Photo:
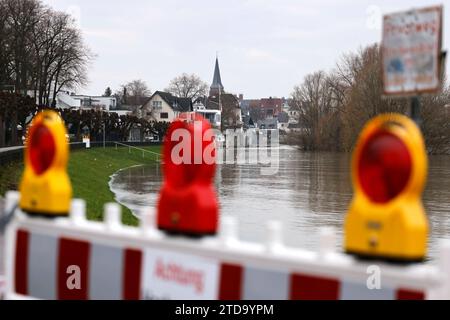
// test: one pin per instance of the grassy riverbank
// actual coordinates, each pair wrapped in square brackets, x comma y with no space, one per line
[10,176]
[89,171]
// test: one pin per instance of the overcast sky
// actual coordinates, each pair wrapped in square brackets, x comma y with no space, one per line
[265,47]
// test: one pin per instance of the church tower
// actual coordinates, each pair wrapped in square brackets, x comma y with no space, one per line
[217,86]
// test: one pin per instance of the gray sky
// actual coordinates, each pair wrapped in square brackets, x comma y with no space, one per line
[265,47]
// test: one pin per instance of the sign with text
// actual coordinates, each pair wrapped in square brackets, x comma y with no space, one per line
[411,50]
[176,276]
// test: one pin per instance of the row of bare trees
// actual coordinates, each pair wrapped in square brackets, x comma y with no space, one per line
[15,111]
[42,50]
[334,106]
[117,127]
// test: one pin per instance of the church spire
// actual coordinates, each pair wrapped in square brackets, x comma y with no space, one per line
[217,86]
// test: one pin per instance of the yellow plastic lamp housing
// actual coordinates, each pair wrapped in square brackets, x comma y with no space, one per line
[45,187]
[386,218]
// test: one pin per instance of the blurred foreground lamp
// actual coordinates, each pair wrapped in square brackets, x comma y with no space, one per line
[45,187]
[386,218]
[188,203]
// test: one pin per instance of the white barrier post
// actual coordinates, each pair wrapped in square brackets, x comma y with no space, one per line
[228,231]
[11,200]
[327,241]
[444,267]
[78,211]
[275,236]
[148,221]
[113,216]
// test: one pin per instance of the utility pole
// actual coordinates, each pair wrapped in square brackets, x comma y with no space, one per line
[415,110]
[104,131]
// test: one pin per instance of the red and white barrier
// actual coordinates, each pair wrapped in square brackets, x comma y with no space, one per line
[72,258]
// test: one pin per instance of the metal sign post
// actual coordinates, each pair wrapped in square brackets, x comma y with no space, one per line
[415,110]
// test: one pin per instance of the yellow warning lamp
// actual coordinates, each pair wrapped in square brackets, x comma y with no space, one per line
[386,218]
[45,187]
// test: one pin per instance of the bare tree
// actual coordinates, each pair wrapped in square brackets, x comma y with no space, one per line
[71,65]
[5,51]
[61,58]
[313,101]
[188,86]
[20,18]
[42,50]
[133,93]
[435,114]
[364,98]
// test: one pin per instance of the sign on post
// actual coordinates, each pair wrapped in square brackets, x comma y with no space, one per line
[87,142]
[411,51]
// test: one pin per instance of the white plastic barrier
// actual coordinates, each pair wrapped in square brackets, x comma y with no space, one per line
[72,258]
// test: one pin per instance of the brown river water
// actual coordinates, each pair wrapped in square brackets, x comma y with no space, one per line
[309,191]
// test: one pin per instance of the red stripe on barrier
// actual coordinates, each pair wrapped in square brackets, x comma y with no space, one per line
[73,253]
[405,294]
[230,282]
[313,288]
[132,275]
[21,262]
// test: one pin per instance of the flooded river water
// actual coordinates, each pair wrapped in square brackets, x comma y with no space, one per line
[309,191]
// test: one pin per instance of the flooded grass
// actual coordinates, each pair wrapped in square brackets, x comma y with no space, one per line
[90,171]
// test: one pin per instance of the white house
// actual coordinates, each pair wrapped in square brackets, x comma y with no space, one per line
[293,116]
[65,100]
[164,107]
